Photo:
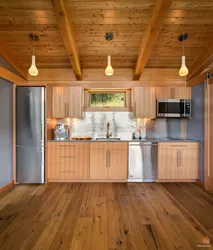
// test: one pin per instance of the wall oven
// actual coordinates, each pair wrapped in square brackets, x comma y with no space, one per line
[174,108]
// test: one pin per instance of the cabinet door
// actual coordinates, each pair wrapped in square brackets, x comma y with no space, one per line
[99,165]
[74,102]
[163,92]
[168,164]
[58,102]
[188,164]
[182,93]
[144,102]
[118,162]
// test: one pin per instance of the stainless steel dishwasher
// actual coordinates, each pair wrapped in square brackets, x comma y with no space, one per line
[143,158]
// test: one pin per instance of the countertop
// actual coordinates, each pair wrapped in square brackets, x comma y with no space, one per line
[144,140]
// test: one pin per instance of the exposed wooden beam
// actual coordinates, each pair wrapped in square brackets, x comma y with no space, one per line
[68,34]
[201,63]
[151,34]
[198,79]
[6,74]
[12,59]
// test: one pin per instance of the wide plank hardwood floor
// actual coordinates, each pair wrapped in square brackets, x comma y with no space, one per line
[106,216]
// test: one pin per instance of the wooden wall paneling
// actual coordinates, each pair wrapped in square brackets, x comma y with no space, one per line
[208,138]
[8,75]
[150,77]
[151,34]
[9,55]
[68,34]
[202,62]
[14,133]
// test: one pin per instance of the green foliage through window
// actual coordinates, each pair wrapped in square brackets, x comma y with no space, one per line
[107,99]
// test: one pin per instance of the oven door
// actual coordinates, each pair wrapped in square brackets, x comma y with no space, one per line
[170,108]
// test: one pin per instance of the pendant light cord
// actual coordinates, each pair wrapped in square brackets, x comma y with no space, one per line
[183,47]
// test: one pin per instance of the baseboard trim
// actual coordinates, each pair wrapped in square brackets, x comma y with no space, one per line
[88,181]
[7,186]
[176,180]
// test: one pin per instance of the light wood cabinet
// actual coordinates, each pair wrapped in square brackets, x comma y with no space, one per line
[99,164]
[58,102]
[108,161]
[117,164]
[67,102]
[67,161]
[173,93]
[167,164]
[179,161]
[144,102]
[189,164]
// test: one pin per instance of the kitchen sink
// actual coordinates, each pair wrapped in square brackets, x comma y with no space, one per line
[108,139]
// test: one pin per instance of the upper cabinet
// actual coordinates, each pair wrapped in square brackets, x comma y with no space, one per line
[144,102]
[173,93]
[67,102]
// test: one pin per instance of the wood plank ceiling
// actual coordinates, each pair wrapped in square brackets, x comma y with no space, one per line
[92,19]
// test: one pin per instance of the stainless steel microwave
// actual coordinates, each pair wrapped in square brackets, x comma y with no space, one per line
[174,108]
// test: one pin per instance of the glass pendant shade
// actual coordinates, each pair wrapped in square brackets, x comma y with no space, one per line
[33,71]
[183,70]
[109,70]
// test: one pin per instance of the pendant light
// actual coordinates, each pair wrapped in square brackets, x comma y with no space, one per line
[33,71]
[183,70]
[109,71]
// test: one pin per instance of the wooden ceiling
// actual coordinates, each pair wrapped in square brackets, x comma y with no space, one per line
[91,19]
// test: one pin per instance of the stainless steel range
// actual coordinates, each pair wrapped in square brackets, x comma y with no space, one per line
[143,157]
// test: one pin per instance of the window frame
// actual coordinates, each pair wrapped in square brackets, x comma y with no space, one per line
[87,96]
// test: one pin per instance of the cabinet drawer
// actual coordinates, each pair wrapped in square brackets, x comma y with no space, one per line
[62,172]
[98,145]
[178,145]
[71,145]
[117,145]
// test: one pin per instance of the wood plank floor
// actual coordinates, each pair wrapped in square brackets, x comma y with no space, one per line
[92,216]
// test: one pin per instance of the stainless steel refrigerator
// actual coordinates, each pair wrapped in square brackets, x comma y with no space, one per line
[30,134]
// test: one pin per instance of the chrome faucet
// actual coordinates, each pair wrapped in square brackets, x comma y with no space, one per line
[108,134]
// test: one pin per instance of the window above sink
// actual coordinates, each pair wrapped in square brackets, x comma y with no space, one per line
[107,99]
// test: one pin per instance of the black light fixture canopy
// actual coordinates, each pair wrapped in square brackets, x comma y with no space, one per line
[33,37]
[183,37]
[109,36]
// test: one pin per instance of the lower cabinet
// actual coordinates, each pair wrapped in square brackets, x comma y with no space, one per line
[108,161]
[67,161]
[179,161]
[84,161]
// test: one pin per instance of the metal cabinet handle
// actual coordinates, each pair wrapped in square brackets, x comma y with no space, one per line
[64,156]
[180,158]
[68,109]
[109,159]
[67,171]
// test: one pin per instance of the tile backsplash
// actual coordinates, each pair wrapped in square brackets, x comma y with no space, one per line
[122,125]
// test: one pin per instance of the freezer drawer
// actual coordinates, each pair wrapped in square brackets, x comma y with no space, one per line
[142,162]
